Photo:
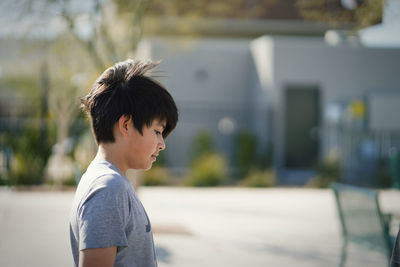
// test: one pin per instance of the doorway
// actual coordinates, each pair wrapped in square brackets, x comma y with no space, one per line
[302,116]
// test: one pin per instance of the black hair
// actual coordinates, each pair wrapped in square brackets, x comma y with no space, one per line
[124,89]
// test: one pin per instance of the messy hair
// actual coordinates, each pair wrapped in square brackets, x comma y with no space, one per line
[125,89]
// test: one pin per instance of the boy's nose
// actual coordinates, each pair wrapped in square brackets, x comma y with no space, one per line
[161,144]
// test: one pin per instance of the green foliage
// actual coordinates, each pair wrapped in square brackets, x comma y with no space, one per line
[26,169]
[264,158]
[156,176]
[258,178]
[328,172]
[69,182]
[246,144]
[209,8]
[3,181]
[247,157]
[207,168]
[30,154]
[27,86]
[210,169]
[202,144]
[23,89]
[367,13]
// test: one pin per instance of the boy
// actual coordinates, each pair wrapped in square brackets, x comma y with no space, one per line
[130,115]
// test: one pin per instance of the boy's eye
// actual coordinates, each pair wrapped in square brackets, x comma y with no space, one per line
[157,132]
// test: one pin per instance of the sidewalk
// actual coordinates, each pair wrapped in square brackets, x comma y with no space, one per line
[196,227]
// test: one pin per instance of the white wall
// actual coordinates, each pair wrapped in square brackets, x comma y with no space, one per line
[263,95]
[384,111]
[209,79]
[341,72]
[244,80]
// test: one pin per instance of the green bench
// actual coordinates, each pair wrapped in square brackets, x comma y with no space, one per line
[362,221]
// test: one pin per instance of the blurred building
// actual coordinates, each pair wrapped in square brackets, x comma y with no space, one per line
[310,98]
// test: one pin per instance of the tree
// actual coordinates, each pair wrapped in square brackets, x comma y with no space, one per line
[101,27]
[71,33]
[365,13]
[212,8]
[108,30]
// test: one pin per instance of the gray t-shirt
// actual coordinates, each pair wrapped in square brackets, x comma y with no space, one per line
[106,212]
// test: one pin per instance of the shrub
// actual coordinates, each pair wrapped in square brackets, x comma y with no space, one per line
[245,152]
[264,158]
[202,144]
[208,170]
[69,182]
[155,176]
[26,169]
[327,173]
[258,178]
[30,154]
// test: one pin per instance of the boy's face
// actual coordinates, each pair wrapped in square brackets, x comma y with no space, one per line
[143,149]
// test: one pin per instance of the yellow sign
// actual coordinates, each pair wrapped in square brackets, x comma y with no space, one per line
[358,108]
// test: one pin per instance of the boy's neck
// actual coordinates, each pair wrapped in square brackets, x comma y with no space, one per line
[109,152]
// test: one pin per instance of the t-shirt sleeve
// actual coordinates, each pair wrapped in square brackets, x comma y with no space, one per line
[102,218]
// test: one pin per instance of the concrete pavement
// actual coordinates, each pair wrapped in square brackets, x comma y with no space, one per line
[196,227]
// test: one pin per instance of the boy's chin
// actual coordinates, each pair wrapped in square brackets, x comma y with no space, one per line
[147,168]
[142,168]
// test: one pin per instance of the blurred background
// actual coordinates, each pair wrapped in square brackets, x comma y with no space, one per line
[269,92]
[288,93]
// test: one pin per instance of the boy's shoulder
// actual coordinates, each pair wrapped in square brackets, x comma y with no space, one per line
[106,173]
[102,175]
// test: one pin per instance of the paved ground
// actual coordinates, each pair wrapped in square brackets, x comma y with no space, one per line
[196,227]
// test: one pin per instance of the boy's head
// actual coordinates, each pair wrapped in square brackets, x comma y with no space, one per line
[124,89]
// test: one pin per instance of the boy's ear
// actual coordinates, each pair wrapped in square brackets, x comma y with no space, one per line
[123,123]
